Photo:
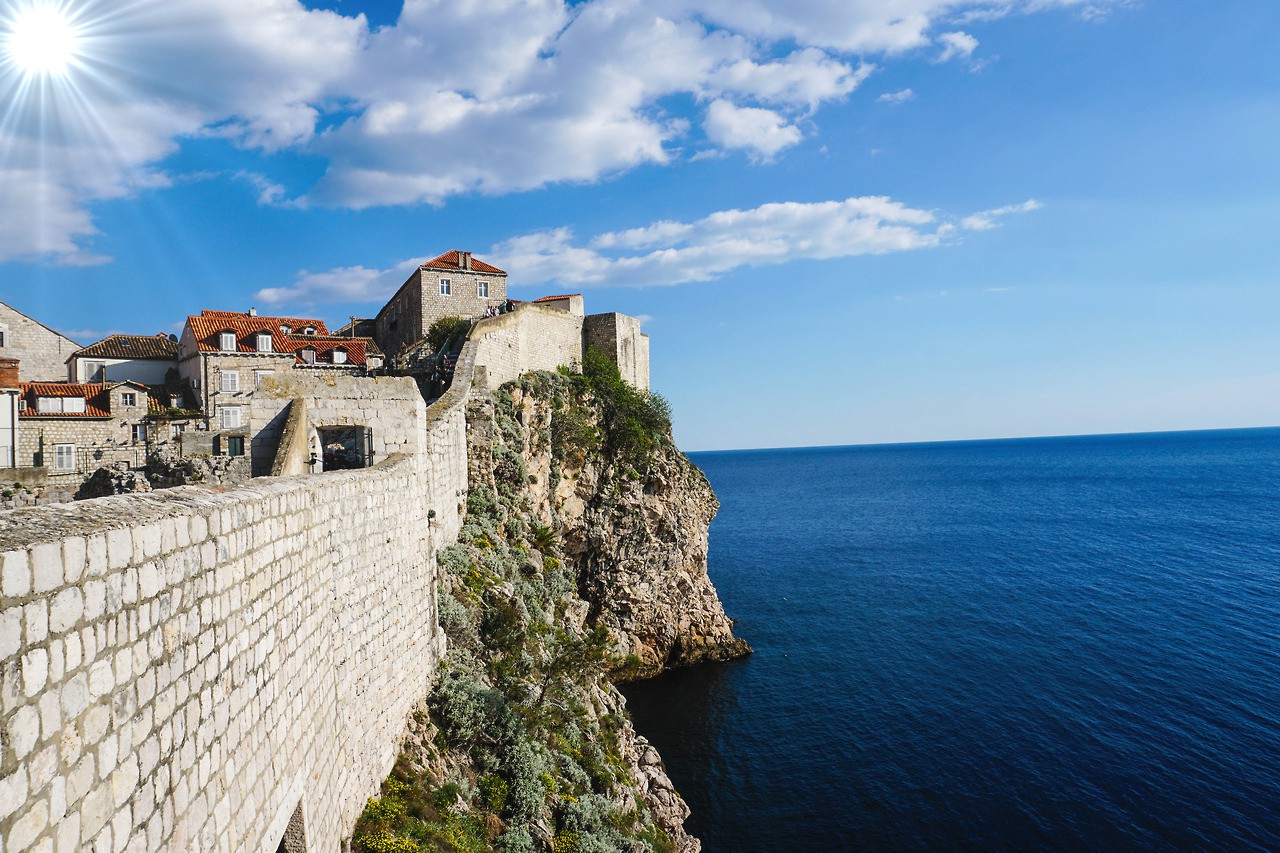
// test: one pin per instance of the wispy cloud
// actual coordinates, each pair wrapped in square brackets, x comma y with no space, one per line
[956,45]
[899,97]
[984,220]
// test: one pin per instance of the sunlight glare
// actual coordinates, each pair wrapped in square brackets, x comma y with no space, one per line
[42,40]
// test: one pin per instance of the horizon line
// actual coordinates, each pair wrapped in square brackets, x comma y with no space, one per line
[989,439]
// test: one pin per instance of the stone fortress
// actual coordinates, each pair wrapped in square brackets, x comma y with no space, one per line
[233,669]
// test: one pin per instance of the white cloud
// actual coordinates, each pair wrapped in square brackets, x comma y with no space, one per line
[956,45]
[899,97]
[762,132]
[985,220]
[343,284]
[667,253]
[457,96]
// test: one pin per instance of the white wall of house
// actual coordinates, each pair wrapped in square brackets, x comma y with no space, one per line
[8,428]
[148,371]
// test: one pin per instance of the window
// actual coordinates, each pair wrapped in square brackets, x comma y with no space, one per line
[175,401]
[286,328]
[482,290]
[235,445]
[309,330]
[264,342]
[259,375]
[2,334]
[308,355]
[230,381]
[445,287]
[227,341]
[176,430]
[128,398]
[22,405]
[138,433]
[228,417]
[64,457]
[59,404]
[95,371]
[339,356]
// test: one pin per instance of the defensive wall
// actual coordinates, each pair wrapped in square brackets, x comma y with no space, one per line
[192,669]
[537,337]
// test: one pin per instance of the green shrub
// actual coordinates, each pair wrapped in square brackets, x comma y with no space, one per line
[443,329]
[494,791]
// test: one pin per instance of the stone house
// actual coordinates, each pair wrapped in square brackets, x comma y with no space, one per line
[226,356]
[41,351]
[73,428]
[117,358]
[452,285]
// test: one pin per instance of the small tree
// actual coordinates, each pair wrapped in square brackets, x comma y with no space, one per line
[444,329]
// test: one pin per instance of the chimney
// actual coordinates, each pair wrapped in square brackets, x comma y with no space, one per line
[464,260]
[253,312]
[8,373]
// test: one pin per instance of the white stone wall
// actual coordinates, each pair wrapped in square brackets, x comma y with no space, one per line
[391,406]
[532,337]
[180,670]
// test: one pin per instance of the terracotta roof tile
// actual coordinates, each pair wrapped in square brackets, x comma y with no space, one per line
[451,261]
[97,400]
[131,346]
[561,296]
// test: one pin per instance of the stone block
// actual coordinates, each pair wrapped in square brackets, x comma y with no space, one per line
[35,671]
[65,610]
[46,567]
[15,575]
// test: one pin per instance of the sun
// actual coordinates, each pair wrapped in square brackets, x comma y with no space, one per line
[42,40]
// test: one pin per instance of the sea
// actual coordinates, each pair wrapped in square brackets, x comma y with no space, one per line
[1034,644]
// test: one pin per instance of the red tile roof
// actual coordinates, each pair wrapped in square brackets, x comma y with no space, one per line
[97,400]
[131,346]
[561,296]
[210,324]
[452,261]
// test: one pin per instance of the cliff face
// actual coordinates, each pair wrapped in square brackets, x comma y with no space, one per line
[634,531]
[582,562]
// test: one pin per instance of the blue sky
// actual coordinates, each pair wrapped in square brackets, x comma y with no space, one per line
[844,222]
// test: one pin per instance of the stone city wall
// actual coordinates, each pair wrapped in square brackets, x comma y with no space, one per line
[190,670]
[533,337]
[538,337]
[197,670]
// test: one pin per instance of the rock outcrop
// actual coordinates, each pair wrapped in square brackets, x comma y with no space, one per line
[636,534]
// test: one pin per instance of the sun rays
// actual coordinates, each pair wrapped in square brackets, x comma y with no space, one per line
[42,39]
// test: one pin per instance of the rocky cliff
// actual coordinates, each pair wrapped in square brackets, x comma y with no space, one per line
[582,562]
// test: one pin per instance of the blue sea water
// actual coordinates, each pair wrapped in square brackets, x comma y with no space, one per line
[1039,644]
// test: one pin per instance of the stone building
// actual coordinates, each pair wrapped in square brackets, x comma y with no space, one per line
[452,285]
[226,356]
[73,428]
[137,358]
[41,351]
